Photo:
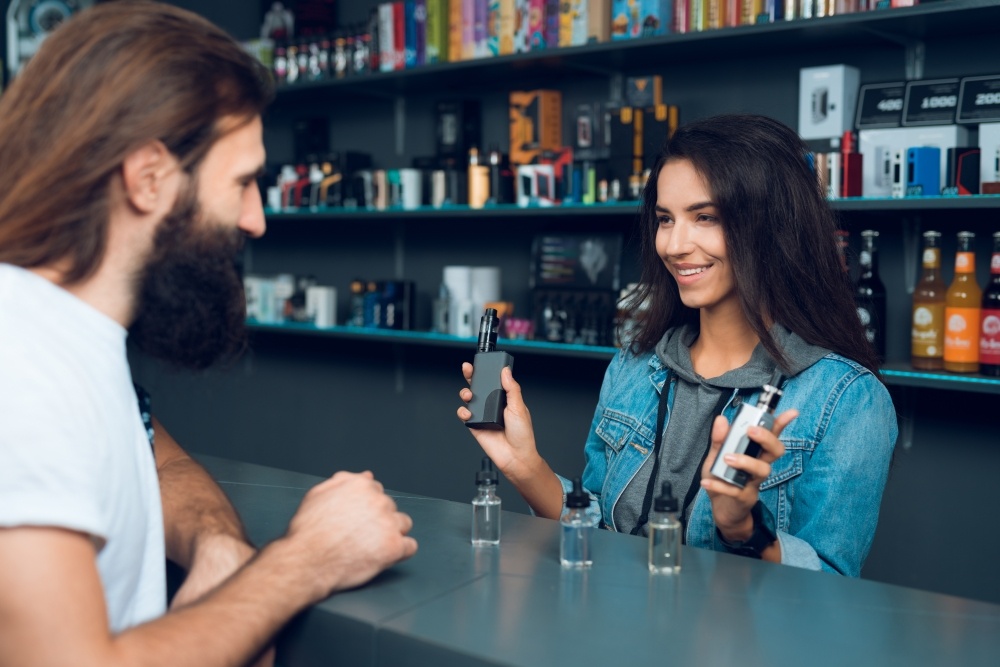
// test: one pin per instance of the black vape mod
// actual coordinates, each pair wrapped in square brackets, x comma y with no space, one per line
[488,397]
[737,441]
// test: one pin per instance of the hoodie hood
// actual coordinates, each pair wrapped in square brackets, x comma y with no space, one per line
[674,350]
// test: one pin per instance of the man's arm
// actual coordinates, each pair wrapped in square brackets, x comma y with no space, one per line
[52,610]
[203,533]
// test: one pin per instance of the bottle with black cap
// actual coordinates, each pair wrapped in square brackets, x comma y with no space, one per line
[664,533]
[486,507]
[577,528]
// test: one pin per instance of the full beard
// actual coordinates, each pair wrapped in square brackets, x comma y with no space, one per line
[191,309]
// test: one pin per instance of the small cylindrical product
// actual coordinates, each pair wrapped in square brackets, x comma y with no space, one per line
[488,396]
[486,507]
[577,529]
[737,441]
[869,294]
[664,533]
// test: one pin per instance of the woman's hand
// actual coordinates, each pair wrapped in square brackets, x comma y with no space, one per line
[731,505]
[512,450]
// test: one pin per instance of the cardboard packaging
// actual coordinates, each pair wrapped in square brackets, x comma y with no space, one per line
[827,97]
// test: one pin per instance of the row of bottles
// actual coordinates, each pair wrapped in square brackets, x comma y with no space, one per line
[578,525]
[957,329]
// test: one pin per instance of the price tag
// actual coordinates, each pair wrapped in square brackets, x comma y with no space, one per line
[979,99]
[930,102]
[880,105]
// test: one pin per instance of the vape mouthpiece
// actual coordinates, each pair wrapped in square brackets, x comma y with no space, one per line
[772,391]
[488,326]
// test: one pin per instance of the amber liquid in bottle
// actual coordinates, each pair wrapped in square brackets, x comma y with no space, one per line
[962,309]
[927,331]
[989,330]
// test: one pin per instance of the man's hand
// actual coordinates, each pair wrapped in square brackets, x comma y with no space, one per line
[348,530]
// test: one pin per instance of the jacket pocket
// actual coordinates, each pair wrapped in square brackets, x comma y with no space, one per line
[618,431]
[787,467]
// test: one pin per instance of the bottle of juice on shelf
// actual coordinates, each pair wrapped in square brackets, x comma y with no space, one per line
[869,294]
[989,330]
[927,332]
[963,303]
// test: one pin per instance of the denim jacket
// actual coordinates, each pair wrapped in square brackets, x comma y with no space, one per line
[824,493]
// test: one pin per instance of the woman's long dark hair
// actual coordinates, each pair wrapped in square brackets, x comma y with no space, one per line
[780,235]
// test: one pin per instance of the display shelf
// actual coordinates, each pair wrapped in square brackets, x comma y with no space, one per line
[905,25]
[618,209]
[897,374]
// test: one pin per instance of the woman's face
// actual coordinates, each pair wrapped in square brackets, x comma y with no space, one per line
[689,238]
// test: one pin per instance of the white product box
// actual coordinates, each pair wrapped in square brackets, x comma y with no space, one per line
[989,156]
[827,97]
[321,305]
[877,147]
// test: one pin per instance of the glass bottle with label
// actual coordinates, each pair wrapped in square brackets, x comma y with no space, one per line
[961,311]
[927,332]
[869,294]
[989,330]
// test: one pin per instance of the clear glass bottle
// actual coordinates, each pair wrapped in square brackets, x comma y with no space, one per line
[664,533]
[486,507]
[927,332]
[577,529]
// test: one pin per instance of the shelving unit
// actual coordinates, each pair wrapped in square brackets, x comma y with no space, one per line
[894,374]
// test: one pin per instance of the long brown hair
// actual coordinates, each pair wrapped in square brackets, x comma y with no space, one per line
[108,81]
[780,234]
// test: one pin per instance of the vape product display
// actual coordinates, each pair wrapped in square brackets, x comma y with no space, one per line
[827,97]
[963,302]
[737,441]
[962,171]
[923,171]
[927,331]
[486,507]
[577,529]
[535,124]
[488,397]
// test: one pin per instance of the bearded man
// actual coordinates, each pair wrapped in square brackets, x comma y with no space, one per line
[130,147]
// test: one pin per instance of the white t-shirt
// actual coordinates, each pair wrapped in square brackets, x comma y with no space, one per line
[73,450]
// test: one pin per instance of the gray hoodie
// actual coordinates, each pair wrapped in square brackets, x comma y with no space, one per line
[686,438]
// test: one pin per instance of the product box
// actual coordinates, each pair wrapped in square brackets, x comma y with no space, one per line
[522,33]
[573,22]
[458,128]
[827,97]
[640,18]
[579,261]
[592,133]
[598,20]
[878,146]
[658,125]
[644,91]
[436,32]
[535,124]
[989,158]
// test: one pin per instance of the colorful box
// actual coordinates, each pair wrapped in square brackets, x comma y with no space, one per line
[535,124]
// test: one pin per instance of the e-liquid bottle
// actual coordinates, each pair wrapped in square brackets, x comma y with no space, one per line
[486,507]
[664,533]
[577,529]
[989,330]
[927,330]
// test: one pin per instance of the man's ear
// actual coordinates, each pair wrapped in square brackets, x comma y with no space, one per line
[147,174]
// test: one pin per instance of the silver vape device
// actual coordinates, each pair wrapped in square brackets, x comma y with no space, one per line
[737,441]
[898,175]
[488,397]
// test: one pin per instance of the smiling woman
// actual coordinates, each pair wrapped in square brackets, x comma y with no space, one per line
[740,279]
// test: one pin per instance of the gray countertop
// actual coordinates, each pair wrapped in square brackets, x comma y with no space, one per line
[455,604]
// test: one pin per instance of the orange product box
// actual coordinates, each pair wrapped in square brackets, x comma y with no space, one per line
[535,124]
